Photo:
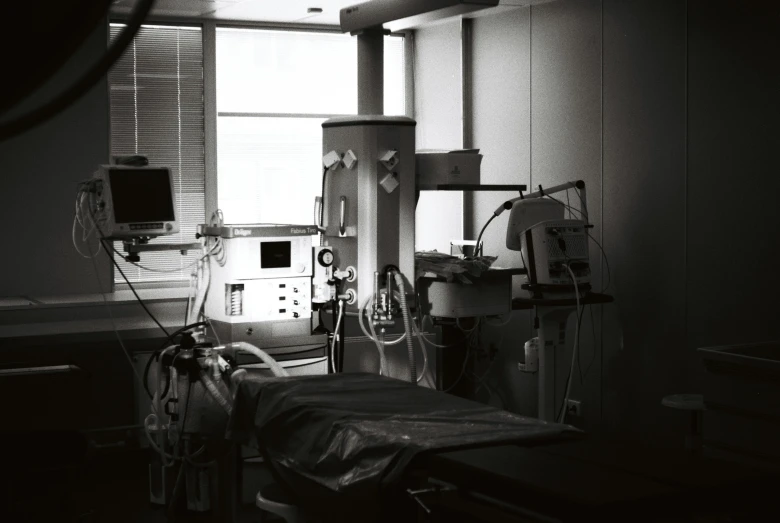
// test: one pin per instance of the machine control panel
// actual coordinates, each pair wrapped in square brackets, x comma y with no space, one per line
[260,258]
[269,299]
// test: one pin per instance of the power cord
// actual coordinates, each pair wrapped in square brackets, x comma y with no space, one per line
[567,207]
[478,249]
[472,338]
[603,252]
[592,330]
[166,271]
[113,324]
[137,297]
[575,351]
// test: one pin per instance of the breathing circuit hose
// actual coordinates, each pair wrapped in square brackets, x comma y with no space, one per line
[211,387]
[399,280]
[273,365]
[372,336]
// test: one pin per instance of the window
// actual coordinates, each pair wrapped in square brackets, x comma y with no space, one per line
[157,111]
[274,90]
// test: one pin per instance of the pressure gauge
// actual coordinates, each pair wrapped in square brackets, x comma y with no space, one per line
[325,258]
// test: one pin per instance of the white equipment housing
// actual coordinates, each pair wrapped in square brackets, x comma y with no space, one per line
[261,284]
[135,202]
[397,15]
[262,279]
[549,246]
[369,209]
[527,213]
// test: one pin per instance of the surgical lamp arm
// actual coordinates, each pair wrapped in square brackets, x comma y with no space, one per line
[541,193]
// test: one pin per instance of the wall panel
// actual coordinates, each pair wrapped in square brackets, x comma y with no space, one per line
[566,133]
[437,102]
[644,214]
[39,173]
[501,126]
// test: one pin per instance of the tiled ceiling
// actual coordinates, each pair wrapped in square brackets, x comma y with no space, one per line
[277,11]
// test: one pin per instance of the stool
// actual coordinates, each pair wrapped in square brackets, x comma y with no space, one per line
[273,499]
[693,403]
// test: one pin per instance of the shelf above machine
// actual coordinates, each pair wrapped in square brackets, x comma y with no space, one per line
[470,187]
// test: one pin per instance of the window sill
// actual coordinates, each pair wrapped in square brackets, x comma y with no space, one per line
[88,315]
[118,297]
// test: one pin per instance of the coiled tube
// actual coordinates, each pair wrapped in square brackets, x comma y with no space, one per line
[273,365]
[236,301]
[211,387]
[372,336]
[407,327]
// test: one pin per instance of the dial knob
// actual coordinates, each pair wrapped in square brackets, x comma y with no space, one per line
[325,258]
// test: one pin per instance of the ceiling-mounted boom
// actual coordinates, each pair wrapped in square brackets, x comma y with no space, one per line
[397,15]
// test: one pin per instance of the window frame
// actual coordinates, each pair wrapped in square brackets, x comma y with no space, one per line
[210,115]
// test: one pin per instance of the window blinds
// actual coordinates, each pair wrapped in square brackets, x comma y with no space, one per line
[156,96]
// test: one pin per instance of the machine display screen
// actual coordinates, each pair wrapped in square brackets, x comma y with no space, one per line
[141,195]
[275,255]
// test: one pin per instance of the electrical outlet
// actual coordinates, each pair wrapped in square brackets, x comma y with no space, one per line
[573,407]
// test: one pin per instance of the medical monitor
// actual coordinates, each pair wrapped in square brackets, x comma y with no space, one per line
[135,202]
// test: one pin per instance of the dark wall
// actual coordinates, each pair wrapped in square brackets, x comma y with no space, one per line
[644,231]
[38,175]
[668,110]
[566,145]
[733,172]
[102,393]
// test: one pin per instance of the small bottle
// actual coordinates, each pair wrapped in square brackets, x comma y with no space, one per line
[531,356]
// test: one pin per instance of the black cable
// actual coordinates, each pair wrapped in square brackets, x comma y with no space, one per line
[593,331]
[468,341]
[171,509]
[86,82]
[522,258]
[161,347]
[569,207]
[604,254]
[208,253]
[566,386]
[342,336]
[186,409]
[137,297]
[577,191]
[579,352]
[564,399]
[478,250]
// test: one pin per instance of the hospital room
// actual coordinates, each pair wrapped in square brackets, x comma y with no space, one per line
[314,261]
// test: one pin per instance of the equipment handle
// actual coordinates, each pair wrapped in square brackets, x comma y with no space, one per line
[317,210]
[342,218]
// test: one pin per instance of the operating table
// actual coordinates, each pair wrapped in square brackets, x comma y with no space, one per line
[360,447]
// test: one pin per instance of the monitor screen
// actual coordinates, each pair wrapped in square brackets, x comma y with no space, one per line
[141,195]
[275,255]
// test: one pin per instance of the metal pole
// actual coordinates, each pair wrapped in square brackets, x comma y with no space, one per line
[467,116]
[371,78]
